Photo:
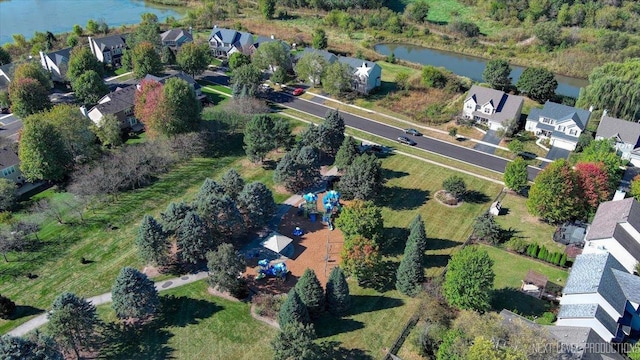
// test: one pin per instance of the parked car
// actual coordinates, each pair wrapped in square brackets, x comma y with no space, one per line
[527,155]
[298,91]
[413,132]
[406,140]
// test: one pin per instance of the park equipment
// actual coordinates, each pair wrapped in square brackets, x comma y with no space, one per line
[310,200]
[277,270]
[331,202]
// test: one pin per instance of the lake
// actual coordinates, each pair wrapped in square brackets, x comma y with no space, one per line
[469,66]
[58,16]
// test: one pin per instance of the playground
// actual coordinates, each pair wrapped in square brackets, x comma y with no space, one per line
[317,248]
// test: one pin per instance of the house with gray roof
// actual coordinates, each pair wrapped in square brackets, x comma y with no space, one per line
[119,103]
[602,295]
[180,75]
[6,73]
[492,108]
[367,75]
[224,42]
[561,124]
[175,38]
[109,49]
[625,134]
[616,229]
[56,63]
[10,164]
[327,56]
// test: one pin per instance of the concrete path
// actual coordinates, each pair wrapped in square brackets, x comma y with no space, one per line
[118,76]
[105,298]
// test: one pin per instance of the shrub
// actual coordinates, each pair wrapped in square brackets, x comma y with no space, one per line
[518,245]
[455,185]
[267,305]
[563,260]
[7,307]
[542,254]
[453,131]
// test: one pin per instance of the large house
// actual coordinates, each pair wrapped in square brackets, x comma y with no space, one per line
[602,295]
[180,75]
[10,165]
[175,38]
[108,49]
[224,42]
[56,63]
[492,108]
[561,124]
[625,134]
[119,103]
[616,229]
[328,57]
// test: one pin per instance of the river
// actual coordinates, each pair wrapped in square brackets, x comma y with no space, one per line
[469,66]
[58,16]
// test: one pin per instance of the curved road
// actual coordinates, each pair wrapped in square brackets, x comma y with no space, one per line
[461,153]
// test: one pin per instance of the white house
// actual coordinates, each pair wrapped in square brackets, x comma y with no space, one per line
[224,42]
[108,49]
[561,124]
[328,57]
[119,103]
[600,294]
[616,229]
[493,108]
[625,134]
[56,63]
[367,75]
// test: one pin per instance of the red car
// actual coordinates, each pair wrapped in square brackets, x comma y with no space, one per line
[298,91]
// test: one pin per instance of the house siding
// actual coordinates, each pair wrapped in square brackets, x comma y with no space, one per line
[590,323]
[613,247]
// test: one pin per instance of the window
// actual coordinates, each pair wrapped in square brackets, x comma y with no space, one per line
[487,110]
[477,107]
[573,132]
[547,120]
[8,171]
[561,128]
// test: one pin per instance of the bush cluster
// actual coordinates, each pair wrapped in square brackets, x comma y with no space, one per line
[542,253]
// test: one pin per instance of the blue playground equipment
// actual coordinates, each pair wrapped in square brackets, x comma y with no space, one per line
[331,202]
[298,231]
[277,270]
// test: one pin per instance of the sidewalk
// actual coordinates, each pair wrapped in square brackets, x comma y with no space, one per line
[105,298]
[118,76]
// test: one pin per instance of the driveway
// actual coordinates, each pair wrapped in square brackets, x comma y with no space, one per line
[491,138]
[556,153]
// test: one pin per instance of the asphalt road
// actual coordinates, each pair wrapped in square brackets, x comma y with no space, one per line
[471,156]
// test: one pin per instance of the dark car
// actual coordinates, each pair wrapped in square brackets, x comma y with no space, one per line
[406,140]
[413,132]
[527,155]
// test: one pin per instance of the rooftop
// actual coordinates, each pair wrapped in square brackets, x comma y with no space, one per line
[609,214]
[119,100]
[506,106]
[111,42]
[623,130]
[175,35]
[561,113]
[8,157]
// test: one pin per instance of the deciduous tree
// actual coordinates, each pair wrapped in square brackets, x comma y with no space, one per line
[594,183]
[497,73]
[89,87]
[74,323]
[193,239]
[515,175]
[109,131]
[361,258]
[603,151]
[245,79]
[469,279]
[238,59]
[182,108]
[28,97]
[417,11]
[256,205]
[145,60]
[193,58]
[362,179]
[152,242]
[293,310]
[347,153]
[43,154]
[226,266]
[82,60]
[267,8]
[134,295]
[75,130]
[337,79]
[555,195]
[32,70]
[319,40]
[272,55]
[539,83]
[311,67]
[5,57]
[149,102]
[433,77]
[361,218]
[7,194]
[338,298]
[311,293]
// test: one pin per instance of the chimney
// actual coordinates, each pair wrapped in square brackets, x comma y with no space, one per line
[604,113]
[272,37]
[83,111]
[591,108]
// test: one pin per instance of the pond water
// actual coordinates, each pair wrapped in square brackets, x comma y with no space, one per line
[469,66]
[27,16]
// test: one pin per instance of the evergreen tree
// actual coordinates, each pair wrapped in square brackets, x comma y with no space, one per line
[7,307]
[259,137]
[295,341]
[134,295]
[209,187]
[298,169]
[486,228]
[455,186]
[225,266]
[293,310]
[410,274]
[73,322]
[175,214]
[36,347]
[363,179]
[232,183]
[221,214]
[152,242]
[337,292]
[194,239]
[469,279]
[311,293]
[256,204]
[418,233]
[347,153]
[332,130]
[282,136]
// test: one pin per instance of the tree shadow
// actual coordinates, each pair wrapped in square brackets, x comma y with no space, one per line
[395,240]
[361,304]
[25,310]
[507,234]
[514,300]
[440,244]
[182,311]
[333,350]
[435,261]
[384,278]
[329,326]
[393,174]
[476,197]
[399,198]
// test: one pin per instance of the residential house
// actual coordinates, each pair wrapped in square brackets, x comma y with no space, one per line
[6,73]
[616,229]
[224,42]
[561,124]
[10,165]
[330,58]
[119,103]
[175,38]
[602,295]
[56,63]
[259,40]
[109,49]
[367,75]
[626,135]
[180,75]
[572,342]
[492,108]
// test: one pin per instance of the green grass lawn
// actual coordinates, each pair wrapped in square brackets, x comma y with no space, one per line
[215,98]
[194,325]
[526,226]
[207,86]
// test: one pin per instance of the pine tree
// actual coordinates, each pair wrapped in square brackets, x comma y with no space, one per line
[337,292]
[36,346]
[311,293]
[410,274]
[209,187]
[232,183]
[73,322]
[221,214]
[346,154]
[173,217]
[293,310]
[256,204]
[225,264]
[563,260]
[134,295]
[152,242]
[332,130]
[418,234]
[295,341]
[194,239]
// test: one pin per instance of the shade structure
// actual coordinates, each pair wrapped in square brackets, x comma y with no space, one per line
[276,242]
